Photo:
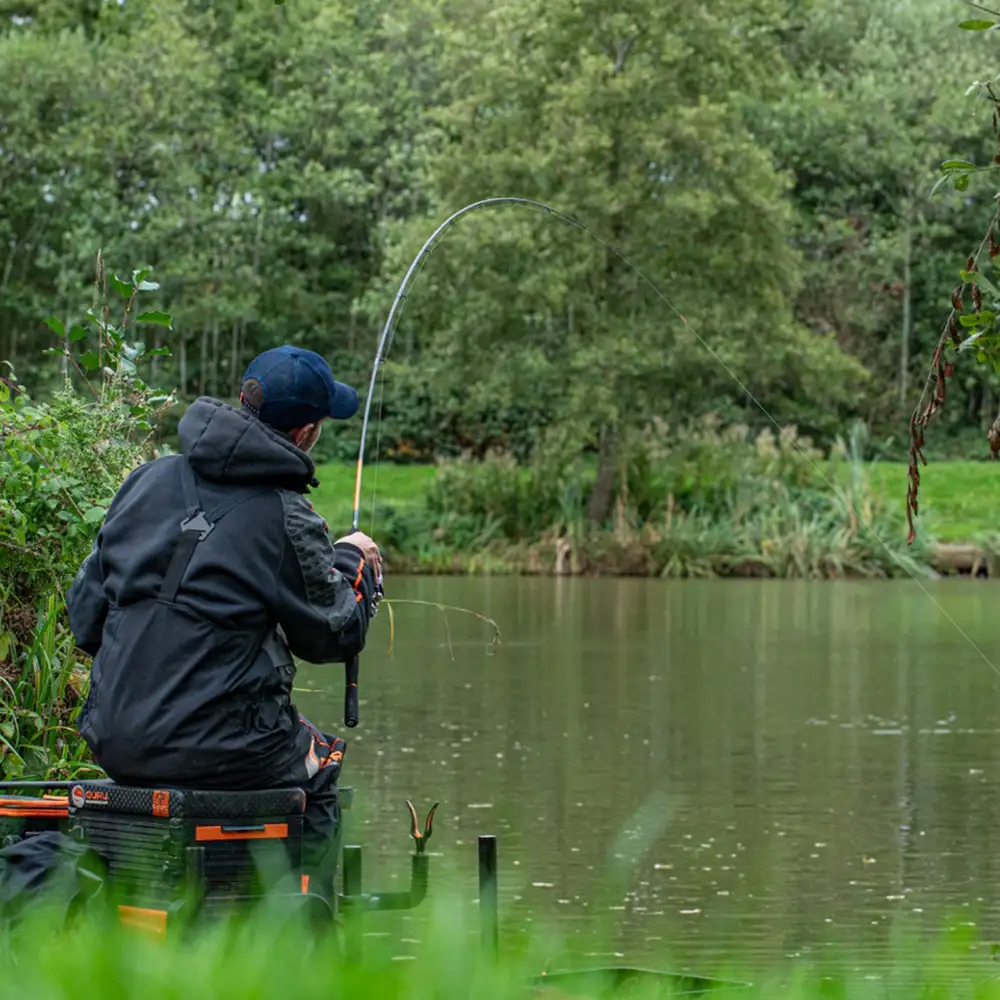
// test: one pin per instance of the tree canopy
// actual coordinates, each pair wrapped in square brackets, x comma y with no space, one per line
[767,163]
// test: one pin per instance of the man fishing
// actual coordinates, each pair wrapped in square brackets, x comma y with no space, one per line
[210,573]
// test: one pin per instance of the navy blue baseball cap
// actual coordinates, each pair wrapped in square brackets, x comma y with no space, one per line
[289,387]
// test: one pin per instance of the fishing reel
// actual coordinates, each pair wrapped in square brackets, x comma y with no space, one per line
[352,666]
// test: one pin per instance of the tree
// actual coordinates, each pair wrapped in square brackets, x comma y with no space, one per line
[878,96]
[624,119]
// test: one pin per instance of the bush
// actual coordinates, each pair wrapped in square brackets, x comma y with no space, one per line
[61,463]
[701,501]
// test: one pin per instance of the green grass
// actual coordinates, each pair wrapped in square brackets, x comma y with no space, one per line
[270,958]
[397,486]
[958,500]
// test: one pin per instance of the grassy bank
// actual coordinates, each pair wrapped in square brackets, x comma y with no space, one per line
[958,499]
[957,506]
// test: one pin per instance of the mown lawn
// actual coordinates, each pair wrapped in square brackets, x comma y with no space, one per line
[957,499]
[395,486]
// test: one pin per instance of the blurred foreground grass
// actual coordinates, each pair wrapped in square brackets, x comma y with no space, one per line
[273,957]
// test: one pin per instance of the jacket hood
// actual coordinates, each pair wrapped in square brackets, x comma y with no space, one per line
[231,445]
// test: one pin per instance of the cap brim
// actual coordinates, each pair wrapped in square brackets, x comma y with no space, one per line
[344,403]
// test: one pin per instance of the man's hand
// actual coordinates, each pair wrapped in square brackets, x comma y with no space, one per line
[369,550]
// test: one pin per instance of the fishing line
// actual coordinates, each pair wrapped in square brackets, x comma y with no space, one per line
[393,318]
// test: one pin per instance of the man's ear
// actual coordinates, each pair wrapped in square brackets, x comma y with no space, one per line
[301,434]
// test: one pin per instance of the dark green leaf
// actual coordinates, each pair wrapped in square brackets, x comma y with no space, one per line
[56,325]
[123,288]
[13,766]
[159,352]
[957,165]
[90,360]
[161,318]
[976,24]
[77,333]
[961,182]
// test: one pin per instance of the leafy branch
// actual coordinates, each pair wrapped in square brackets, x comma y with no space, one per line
[972,332]
[116,356]
[61,462]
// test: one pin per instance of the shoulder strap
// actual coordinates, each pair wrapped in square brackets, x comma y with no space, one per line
[195,528]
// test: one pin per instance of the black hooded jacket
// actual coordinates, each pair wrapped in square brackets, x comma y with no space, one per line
[192,672]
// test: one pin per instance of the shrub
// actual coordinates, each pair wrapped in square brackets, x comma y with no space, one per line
[61,463]
[700,501]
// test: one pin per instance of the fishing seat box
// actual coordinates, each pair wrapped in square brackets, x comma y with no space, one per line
[157,843]
[24,815]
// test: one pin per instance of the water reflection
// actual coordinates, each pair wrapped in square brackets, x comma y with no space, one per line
[733,771]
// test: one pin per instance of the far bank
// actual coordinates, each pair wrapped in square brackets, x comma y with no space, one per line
[774,518]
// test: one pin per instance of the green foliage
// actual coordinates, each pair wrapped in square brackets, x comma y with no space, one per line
[776,214]
[256,959]
[862,135]
[712,500]
[619,119]
[979,327]
[61,463]
[471,504]
[977,24]
[769,166]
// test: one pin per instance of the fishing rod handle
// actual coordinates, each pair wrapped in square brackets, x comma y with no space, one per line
[351,692]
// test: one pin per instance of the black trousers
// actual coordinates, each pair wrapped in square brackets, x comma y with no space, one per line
[321,821]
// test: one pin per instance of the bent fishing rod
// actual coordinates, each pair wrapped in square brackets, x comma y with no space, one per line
[385,340]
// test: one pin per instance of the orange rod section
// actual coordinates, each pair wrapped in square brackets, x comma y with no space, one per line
[357,493]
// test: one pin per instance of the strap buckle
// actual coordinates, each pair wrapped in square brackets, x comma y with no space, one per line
[198,522]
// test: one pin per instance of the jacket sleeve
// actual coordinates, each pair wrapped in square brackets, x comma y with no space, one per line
[325,591]
[86,603]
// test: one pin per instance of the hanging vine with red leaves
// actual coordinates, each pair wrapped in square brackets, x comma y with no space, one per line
[982,332]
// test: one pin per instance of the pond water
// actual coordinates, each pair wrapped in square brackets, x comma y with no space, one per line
[728,773]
